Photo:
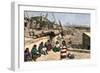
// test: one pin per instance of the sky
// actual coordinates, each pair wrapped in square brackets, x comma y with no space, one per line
[81,19]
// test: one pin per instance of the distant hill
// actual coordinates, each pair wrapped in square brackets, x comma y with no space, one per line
[50,24]
[77,25]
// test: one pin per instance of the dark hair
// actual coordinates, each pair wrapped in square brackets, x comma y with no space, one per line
[57,42]
[34,45]
[41,43]
[63,42]
[48,40]
[27,49]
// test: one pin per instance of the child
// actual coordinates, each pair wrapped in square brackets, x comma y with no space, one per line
[63,53]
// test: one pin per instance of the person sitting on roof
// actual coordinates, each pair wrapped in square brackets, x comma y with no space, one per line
[35,53]
[57,47]
[27,55]
[48,45]
[42,49]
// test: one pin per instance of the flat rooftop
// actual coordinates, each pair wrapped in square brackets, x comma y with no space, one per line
[87,33]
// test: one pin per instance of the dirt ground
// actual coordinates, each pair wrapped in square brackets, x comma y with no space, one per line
[56,56]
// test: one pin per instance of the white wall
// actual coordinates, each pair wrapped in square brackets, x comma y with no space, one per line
[5,33]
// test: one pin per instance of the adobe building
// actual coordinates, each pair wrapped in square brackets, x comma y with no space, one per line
[86,40]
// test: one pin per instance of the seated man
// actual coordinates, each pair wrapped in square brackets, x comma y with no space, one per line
[48,45]
[27,55]
[35,53]
[57,47]
[42,49]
